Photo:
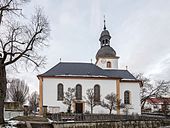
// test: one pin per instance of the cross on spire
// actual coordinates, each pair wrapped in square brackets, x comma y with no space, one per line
[104,23]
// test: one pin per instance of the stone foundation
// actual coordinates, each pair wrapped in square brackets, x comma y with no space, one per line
[107,124]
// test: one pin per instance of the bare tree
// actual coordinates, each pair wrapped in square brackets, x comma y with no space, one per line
[69,97]
[149,90]
[110,102]
[20,41]
[33,101]
[165,105]
[90,99]
[18,91]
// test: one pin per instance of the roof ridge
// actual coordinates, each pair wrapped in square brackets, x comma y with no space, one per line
[76,63]
[116,70]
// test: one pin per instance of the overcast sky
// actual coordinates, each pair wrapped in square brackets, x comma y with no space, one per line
[140,31]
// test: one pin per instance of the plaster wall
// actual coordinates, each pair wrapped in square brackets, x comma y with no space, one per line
[50,91]
[102,63]
[11,114]
[106,87]
[134,88]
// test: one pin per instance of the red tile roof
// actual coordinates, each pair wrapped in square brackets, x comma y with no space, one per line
[158,100]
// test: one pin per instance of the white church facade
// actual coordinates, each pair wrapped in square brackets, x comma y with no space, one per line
[103,76]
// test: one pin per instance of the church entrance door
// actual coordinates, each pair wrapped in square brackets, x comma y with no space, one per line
[79,107]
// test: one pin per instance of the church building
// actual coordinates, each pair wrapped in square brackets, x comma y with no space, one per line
[104,77]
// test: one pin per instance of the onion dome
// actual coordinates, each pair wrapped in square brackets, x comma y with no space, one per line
[105,51]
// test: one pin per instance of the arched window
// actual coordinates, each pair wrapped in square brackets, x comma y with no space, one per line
[127,97]
[78,92]
[108,64]
[60,92]
[97,93]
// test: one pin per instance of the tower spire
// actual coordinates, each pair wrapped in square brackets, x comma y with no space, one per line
[104,23]
[105,36]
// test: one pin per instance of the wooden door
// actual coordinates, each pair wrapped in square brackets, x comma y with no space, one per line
[79,107]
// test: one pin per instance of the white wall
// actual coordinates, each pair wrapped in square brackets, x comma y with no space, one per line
[152,106]
[50,91]
[11,114]
[102,63]
[106,87]
[134,88]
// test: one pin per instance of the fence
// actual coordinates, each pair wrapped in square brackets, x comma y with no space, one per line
[100,117]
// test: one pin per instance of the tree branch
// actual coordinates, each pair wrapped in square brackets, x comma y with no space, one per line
[28,48]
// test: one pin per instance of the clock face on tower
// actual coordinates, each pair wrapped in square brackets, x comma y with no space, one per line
[103,61]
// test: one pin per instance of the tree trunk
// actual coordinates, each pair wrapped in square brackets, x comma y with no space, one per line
[3,87]
[110,111]
[69,109]
[143,104]
[91,109]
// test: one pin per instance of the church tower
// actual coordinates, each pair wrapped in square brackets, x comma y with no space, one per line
[106,56]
